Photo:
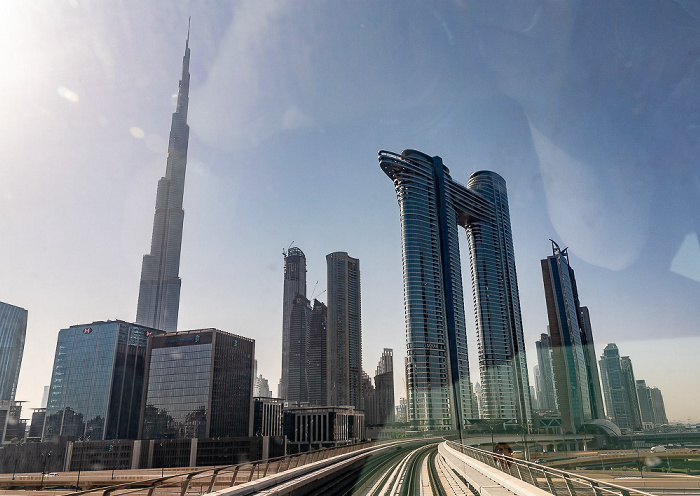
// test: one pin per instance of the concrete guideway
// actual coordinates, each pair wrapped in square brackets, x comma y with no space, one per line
[486,480]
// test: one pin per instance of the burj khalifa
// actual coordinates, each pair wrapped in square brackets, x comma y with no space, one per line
[159,292]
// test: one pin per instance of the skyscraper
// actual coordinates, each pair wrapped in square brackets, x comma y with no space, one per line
[97,381]
[572,376]
[344,329]
[13,328]
[657,406]
[594,389]
[159,291]
[384,385]
[199,384]
[432,206]
[294,284]
[631,391]
[298,386]
[619,389]
[317,367]
[544,375]
[645,408]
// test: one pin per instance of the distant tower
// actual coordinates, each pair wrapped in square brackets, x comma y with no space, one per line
[294,284]
[595,392]
[658,408]
[159,292]
[645,406]
[544,376]
[317,367]
[572,375]
[619,389]
[298,380]
[344,329]
[384,385]
[13,328]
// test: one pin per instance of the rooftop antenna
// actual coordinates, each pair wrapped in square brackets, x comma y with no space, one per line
[189,21]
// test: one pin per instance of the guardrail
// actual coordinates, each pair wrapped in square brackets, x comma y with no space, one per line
[554,481]
[206,480]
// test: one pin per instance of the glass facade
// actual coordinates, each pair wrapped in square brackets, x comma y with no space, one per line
[199,385]
[571,373]
[97,381]
[344,329]
[432,206]
[619,389]
[294,284]
[13,327]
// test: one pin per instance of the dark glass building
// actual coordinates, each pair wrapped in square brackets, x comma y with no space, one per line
[13,327]
[571,341]
[297,378]
[199,384]
[294,284]
[317,366]
[432,208]
[620,389]
[544,375]
[97,381]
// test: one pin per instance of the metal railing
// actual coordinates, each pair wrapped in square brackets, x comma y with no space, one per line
[554,481]
[206,480]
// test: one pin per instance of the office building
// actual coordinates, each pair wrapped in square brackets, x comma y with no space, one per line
[544,375]
[344,329]
[159,290]
[97,381]
[645,408]
[572,376]
[267,416]
[619,389]
[312,427]
[262,387]
[630,386]
[294,284]
[432,206]
[297,378]
[401,413]
[657,407]
[199,384]
[12,427]
[384,387]
[317,366]
[36,428]
[595,391]
[13,328]
[369,400]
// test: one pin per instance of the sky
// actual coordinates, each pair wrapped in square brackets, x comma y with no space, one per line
[589,111]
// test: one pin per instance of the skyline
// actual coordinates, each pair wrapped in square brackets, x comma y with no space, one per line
[279,121]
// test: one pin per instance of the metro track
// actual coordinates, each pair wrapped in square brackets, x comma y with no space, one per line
[393,472]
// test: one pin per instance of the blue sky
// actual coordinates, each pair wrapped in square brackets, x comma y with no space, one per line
[590,113]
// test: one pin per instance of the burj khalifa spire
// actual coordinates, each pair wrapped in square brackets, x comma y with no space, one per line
[159,292]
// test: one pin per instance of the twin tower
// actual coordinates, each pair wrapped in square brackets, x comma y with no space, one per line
[432,208]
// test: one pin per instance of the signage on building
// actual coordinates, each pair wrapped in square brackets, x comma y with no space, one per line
[87,330]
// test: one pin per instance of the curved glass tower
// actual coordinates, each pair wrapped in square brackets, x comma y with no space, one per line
[432,206]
